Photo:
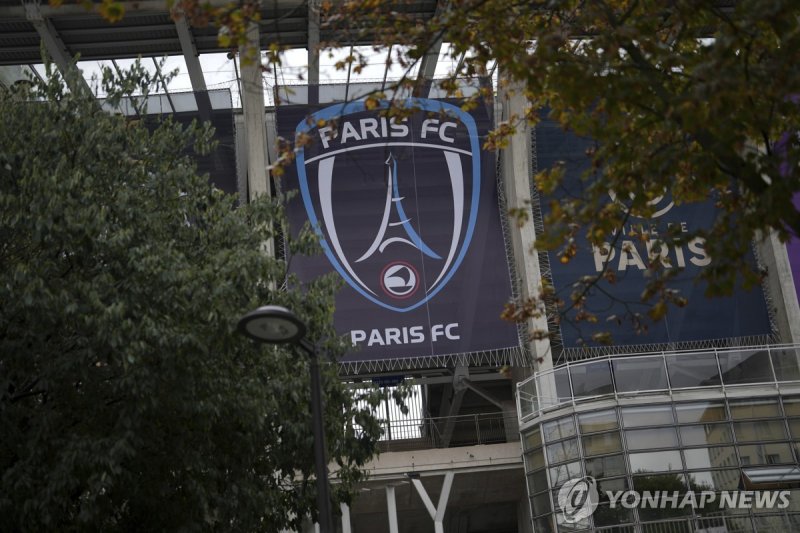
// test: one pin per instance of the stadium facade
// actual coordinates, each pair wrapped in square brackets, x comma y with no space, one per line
[706,402]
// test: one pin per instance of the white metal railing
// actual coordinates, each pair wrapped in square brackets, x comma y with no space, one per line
[657,372]
[449,431]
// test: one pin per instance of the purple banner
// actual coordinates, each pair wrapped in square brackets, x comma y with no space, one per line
[743,314]
[407,215]
[793,248]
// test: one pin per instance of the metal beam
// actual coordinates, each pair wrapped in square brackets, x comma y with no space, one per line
[483,394]
[451,406]
[427,65]
[56,48]
[163,83]
[313,51]
[190,55]
[143,6]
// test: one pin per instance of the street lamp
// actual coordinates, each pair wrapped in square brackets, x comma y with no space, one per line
[274,324]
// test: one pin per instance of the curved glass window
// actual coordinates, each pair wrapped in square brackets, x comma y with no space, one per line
[743,409]
[794,427]
[664,482]
[693,370]
[602,443]
[646,439]
[598,421]
[759,430]
[640,374]
[785,362]
[656,461]
[604,515]
[537,481]
[600,467]
[715,480]
[562,451]
[746,366]
[691,413]
[558,429]
[541,504]
[562,473]
[532,438]
[773,453]
[706,434]
[649,415]
[534,460]
[591,379]
[791,406]
[716,457]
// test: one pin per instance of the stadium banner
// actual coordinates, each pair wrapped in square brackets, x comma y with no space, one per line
[793,248]
[219,163]
[406,210]
[742,316]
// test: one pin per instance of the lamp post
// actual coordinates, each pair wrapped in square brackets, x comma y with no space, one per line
[273,324]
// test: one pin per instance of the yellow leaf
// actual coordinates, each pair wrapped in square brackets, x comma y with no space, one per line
[371,103]
[112,11]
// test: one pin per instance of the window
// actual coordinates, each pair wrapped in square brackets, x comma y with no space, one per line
[640,373]
[650,415]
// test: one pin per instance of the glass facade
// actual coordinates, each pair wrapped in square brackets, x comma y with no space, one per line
[700,445]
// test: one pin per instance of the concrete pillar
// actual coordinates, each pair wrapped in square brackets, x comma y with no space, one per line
[255,129]
[254,124]
[436,512]
[391,505]
[780,285]
[346,528]
[524,518]
[518,175]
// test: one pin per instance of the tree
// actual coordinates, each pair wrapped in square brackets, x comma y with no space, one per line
[127,399]
[698,98]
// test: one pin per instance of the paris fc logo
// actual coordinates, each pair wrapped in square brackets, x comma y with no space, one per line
[394,200]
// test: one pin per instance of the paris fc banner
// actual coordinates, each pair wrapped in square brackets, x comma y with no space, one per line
[743,315]
[406,211]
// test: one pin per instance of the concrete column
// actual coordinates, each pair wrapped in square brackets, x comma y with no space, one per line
[346,528]
[436,512]
[781,289]
[391,505]
[518,176]
[255,129]
[524,519]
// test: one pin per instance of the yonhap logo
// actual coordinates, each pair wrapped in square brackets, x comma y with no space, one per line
[578,499]
[417,185]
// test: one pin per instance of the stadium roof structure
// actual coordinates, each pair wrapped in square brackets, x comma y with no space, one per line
[147,29]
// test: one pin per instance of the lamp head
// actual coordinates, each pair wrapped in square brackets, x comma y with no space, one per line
[272,324]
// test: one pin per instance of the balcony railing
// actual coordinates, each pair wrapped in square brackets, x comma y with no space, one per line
[449,432]
[661,372]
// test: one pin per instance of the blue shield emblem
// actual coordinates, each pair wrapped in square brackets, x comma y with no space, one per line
[416,182]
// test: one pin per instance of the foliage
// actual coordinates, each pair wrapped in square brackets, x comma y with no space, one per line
[695,98]
[698,98]
[127,399]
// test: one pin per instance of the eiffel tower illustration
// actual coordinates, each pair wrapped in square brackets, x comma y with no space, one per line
[393,210]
